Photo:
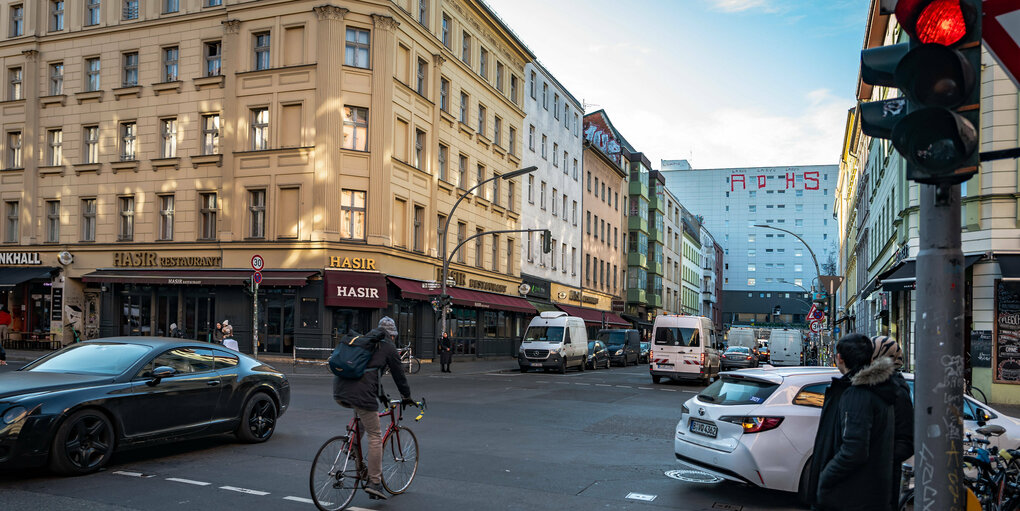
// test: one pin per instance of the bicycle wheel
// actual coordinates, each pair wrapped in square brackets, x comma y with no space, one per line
[335,475]
[907,501]
[414,365]
[400,460]
[976,393]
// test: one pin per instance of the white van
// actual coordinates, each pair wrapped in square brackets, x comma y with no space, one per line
[742,336]
[785,345]
[554,340]
[684,347]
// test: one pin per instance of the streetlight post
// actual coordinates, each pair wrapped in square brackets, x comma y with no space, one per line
[446,229]
[818,270]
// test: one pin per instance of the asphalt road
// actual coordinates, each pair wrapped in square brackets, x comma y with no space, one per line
[488,441]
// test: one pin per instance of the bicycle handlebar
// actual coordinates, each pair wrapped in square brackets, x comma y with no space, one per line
[421,405]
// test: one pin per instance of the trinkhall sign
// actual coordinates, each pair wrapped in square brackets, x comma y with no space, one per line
[20,258]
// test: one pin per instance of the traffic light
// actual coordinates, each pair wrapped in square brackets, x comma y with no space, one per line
[546,241]
[934,126]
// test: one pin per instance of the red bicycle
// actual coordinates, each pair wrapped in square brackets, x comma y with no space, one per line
[338,470]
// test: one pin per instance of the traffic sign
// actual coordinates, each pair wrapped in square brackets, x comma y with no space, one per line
[257,277]
[816,326]
[257,263]
[1000,31]
[817,315]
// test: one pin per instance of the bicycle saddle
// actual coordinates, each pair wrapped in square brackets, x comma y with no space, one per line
[993,430]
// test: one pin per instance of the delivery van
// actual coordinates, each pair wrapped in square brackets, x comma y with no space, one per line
[785,347]
[684,348]
[554,340]
[742,336]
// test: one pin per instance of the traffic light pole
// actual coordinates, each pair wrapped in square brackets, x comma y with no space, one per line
[939,383]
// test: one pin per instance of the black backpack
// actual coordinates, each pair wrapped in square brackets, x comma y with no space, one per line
[350,358]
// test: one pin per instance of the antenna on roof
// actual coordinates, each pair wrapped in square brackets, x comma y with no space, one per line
[585,105]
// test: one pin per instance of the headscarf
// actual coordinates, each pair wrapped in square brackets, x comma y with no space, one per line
[885,346]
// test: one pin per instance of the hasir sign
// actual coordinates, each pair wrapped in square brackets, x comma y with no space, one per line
[355,289]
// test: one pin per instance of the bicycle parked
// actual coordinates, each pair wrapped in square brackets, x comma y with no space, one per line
[410,363]
[339,470]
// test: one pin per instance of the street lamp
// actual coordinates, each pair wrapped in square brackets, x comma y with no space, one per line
[446,229]
[818,270]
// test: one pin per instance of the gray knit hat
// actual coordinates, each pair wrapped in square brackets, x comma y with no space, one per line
[387,324]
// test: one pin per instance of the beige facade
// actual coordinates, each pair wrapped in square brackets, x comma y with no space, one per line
[298,129]
[604,236]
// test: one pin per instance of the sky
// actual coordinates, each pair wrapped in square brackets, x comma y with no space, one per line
[721,83]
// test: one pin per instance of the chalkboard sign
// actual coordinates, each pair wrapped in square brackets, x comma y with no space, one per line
[1007,332]
[981,348]
[57,312]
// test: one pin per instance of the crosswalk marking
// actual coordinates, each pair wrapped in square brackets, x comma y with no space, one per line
[245,490]
[188,481]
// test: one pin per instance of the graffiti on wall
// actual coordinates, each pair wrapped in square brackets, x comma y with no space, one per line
[793,181]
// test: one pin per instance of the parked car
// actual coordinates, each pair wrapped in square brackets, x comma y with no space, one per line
[758,426]
[598,355]
[72,409]
[738,357]
[646,348]
[763,352]
[685,348]
[624,345]
[554,340]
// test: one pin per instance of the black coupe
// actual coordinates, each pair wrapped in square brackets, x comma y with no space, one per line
[73,408]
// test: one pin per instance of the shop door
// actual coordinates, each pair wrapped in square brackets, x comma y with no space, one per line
[278,326]
[198,317]
[136,314]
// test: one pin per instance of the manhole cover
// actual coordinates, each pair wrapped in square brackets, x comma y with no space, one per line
[693,476]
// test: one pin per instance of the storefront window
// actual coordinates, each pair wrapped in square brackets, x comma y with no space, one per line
[466,331]
[489,323]
[309,313]
[136,313]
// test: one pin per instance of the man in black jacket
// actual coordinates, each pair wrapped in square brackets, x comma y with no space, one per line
[852,463]
[364,395]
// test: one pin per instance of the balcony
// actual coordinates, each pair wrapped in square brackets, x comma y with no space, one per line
[655,268]
[657,202]
[637,188]
[637,259]
[636,296]
[636,223]
[656,236]
[655,300]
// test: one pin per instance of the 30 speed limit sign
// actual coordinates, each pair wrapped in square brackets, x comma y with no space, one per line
[816,326]
[257,263]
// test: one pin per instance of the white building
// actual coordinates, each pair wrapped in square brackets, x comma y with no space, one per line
[552,194]
[709,298]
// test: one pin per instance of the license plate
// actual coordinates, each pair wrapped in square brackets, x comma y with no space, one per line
[670,366]
[703,428]
[536,364]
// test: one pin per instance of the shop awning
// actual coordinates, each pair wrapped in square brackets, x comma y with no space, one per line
[1009,264]
[594,317]
[275,278]
[543,306]
[902,277]
[10,277]
[413,290]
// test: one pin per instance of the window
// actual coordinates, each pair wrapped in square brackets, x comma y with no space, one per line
[479,177]
[211,134]
[352,214]
[444,95]
[553,200]
[544,145]
[126,231]
[17,20]
[752,208]
[355,128]
[128,141]
[166,218]
[462,172]
[545,96]
[510,201]
[14,78]
[88,219]
[465,48]
[750,282]
[52,221]
[510,257]
[798,252]
[513,141]
[798,267]
[13,221]
[92,74]
[130,70]
[495,252]
[14,150]
[260,129]
[56,78]
[91,12]
[56,15]
[750,267]
[495,188]
[563,209]
[130,10]
[499,76]
[444,153]
[497,131]
[531,85]
[799,193]
[213,56]
[356,50]
[55,150]
[513,88]
[461,236]
[556,106]
[261,50]
[556,155]
[91,141]
[541,197]
[207,214]
[479,248]
[419,229]
[463,107]
[419,149]
[446,30]
[171,6]
[573,212]
[257,213]
[422,76]
[531,137]
[575,179]
[423,12]
[531,189]
[481,119]
[168,138]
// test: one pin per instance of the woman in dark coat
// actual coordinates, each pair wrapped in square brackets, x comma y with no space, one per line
[445,352]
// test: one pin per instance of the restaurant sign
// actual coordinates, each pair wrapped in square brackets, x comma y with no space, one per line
[20,258]
[351,263]
[154,260]
[355,289]
[461,279]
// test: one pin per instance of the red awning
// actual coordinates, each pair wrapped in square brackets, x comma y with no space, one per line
[411,289]
[593,317]
[280,278]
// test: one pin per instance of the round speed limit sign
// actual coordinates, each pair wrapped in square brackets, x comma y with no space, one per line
[257,263]
[816,326]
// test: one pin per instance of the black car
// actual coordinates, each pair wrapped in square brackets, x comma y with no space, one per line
[738,357]
[623,344]
[73,408]
[646,348]
[598,355]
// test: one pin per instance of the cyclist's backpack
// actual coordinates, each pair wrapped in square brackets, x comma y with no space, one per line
[351,356]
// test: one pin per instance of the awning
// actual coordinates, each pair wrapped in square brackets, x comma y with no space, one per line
[275,278]
[413,290]
[638,322]
[10,277]
[594,317]
[902,277]
[355,289]
[1009,264]
[543,306]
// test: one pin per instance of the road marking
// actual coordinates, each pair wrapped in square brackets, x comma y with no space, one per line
[563,382]
[578,383]
[668,390]
[641,496]
[188,481]
[645,388]
[132,474]
[602,385]
[245,490]
[690,391]
[624,386]
[305,501]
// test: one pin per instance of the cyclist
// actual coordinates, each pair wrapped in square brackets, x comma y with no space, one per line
[364,395]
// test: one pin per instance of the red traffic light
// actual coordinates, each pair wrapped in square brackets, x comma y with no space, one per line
[942,22]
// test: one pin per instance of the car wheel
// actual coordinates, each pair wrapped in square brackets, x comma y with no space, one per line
[607,363]
[656,379]
[802,490]
[581,366]
[258,419]
[524,369]
[563,366]
[83,443]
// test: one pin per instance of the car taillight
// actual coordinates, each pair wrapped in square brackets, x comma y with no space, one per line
[723,355]
[755,424]
[749,358]
[703,358]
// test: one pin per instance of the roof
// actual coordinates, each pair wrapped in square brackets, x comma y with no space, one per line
[780,374]
[151,341]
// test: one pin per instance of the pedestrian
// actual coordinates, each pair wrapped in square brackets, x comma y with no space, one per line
[365,393]
[3,356]
[228,336]
[851,468]
[5,324]
[445,352]
[903,411]
[217,334]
